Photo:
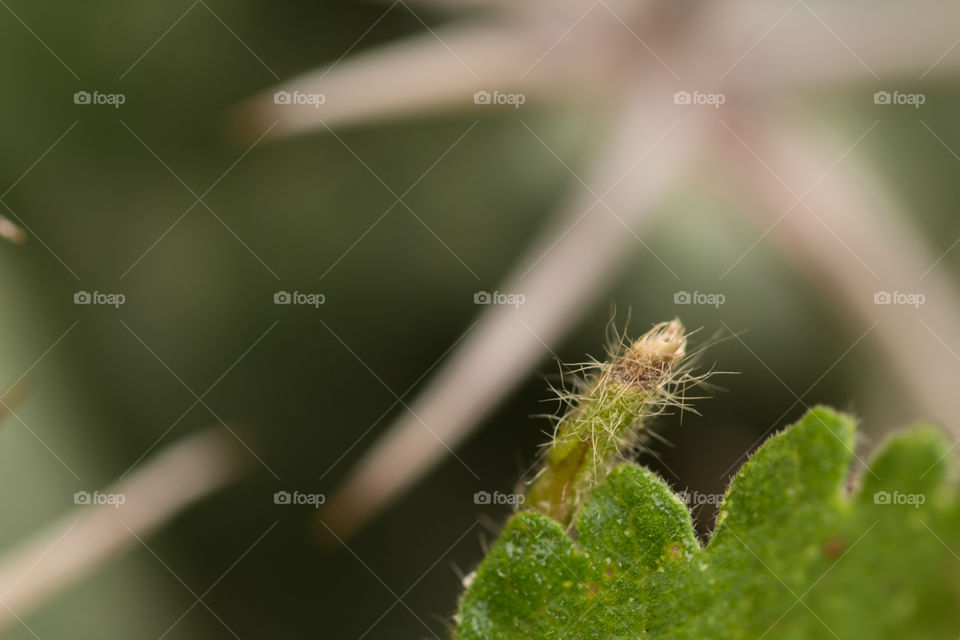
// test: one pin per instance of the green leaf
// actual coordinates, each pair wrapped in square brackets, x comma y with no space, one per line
[794,553]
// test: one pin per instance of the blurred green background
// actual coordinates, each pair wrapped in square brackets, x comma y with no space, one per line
[200,298]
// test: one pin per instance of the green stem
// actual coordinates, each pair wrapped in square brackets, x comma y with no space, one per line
[606,421]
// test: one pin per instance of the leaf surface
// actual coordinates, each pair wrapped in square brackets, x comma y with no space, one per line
[794,554]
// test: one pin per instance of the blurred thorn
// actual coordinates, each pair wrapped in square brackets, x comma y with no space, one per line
[562,273]
[444,68]
[12,232]
[450,4]
[410,77]
[925,43]
[80,542]
[543,8]
[424,73]
[852,238]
